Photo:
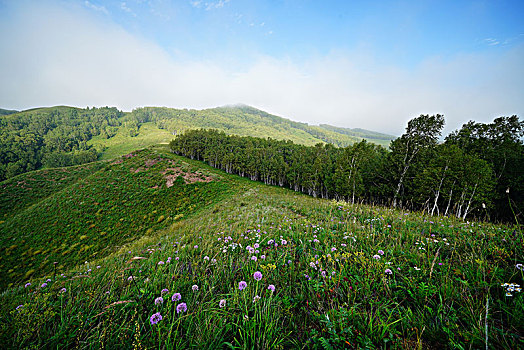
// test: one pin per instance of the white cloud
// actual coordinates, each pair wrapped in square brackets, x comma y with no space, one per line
[98,8]
[69,57]
[123,7]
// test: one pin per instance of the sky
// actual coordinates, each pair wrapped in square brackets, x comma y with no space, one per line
[356,64]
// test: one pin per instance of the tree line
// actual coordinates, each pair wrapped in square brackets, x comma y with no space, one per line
[476,171]
[52,137]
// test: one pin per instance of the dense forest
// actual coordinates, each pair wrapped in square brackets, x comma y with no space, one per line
[59,136]
[478,170]
[52,137]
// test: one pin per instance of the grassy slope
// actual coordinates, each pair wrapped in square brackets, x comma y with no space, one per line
[22,191]
[122,143]
[442,272]
[94,215]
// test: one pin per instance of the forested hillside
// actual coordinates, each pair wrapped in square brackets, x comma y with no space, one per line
[478,170]
[64,136]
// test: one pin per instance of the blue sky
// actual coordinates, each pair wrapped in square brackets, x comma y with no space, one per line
[368,64]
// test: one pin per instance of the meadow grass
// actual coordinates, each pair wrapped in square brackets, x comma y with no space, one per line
[148,135]
[95,215]
[344,276]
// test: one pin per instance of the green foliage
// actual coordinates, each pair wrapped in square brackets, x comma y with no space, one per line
[51,136]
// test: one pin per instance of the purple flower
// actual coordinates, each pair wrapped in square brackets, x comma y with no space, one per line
[376,257]
[155,318]
[242,285]
[271,287]
[159,300]
[63,290]
[333,249]
[164,291]
[182,307]
[196,247]
[19,307]
[381,252]
[256,298]
[257,275]
[254,258]
[388,271]
[176,297]
[130,278]
[27,285]
[160,262]
[44,285]
[195,288]
[48,280]
[222,303]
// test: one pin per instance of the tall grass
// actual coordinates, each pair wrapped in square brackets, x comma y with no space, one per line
[345,276]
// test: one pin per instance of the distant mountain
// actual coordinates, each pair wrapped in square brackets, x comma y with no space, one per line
[248,121]
[7,111]
[63,136]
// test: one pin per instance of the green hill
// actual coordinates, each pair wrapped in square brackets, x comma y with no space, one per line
[248,121]
[64,136]
[74,214]
[7,111]
[317,273]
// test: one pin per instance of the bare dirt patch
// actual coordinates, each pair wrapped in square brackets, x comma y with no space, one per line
[188,177]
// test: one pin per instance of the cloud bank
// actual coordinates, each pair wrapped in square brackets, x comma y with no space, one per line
[56,55]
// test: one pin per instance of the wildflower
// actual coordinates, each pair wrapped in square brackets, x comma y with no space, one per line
[520,267]
[256,298]
[164,291]
[63,290]
[160,262]
[19,307]
[270,242]
[159,300]
[508,294]
[381,252]
[333,249]
[206,257]
[195,288]
[182,307]
[196,247]
[416,268]
[263,257]
[130,278]
[155,318]
[98,266]
[27,285]
[257,275]
[256,245]
[176,297]
[376,257]
[177,258]
[214,261]
[271,288]
[254,258]
[242,285]
[246,317]
[48,280]
[222,303]
[323,273]
[388,271]
[43,285]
